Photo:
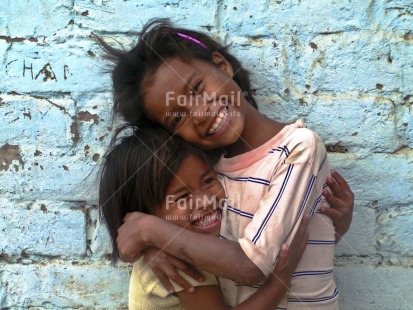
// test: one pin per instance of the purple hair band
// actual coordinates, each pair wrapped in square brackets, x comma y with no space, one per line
[192,39]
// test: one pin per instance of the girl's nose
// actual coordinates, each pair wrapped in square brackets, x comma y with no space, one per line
[204,201]
[199,111]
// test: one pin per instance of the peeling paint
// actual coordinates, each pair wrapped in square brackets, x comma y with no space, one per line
[87,116]
[96,157]
[313,46]
[74,130]
[91,54]
[17,40]
[8,153]
[348,75]
[336,148]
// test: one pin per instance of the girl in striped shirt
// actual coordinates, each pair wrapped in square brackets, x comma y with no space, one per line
[149,171]
[274,174]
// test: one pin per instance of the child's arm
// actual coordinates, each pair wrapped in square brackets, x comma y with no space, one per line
[291,195]
[269,295]
[341,200]
[141,231]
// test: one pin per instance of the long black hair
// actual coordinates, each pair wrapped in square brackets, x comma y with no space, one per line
[158,41]
[136,171]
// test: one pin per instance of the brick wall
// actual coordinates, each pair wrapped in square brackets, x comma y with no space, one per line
[344,66]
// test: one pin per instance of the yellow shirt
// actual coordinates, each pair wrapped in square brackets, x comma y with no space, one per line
[146,292]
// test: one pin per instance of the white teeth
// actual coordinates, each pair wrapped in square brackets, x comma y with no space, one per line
[207,220]
[219,121]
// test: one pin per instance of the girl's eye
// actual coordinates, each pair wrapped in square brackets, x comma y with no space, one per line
[196,87]
[209,180]
[176,120]
[183,197]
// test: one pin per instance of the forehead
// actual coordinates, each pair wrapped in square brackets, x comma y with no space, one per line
[192,169]
[171,73]
[168,81]
[193,166]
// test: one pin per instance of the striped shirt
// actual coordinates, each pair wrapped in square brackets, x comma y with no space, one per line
[269,189]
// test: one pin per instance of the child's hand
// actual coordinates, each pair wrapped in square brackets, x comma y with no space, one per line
[132,234]
[341,200]
[165,266]
[290,256]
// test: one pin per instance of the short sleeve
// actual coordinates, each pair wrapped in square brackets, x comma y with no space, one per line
[295,190]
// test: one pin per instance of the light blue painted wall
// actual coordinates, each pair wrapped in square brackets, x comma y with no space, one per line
[344,66]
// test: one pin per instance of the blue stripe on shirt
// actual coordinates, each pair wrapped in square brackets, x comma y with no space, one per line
[311,273]
[248,179]
[274,205]
[300,211]
[252,285]
[322,242]
[281,149]
[313,209]
[322,163]
[335,293]
[239,212]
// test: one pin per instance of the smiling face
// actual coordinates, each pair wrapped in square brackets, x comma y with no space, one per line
[198,101]
[193,198]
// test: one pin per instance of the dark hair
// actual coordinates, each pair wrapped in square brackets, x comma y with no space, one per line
[158,40]
[136,172]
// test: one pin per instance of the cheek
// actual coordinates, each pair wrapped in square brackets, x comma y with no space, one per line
[179,219]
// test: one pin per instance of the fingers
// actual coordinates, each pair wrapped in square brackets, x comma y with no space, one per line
[127,216]
[330,212]
[174,276]
[302,230]
[125,247]
[340,180]
[290,256]
[188,269]
[128,258]
[283,259]
[165,268]
[164,280]
[284,251]
[283,256]
[341,198]
[178,264]
[336,189]
[132,215]
[301,237]
[331,199]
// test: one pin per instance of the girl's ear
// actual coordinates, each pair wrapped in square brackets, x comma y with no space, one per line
[222,63]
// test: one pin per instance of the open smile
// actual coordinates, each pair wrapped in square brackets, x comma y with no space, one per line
[208,221]
[220,121]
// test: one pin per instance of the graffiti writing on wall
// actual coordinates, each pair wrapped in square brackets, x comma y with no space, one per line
[33,71]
